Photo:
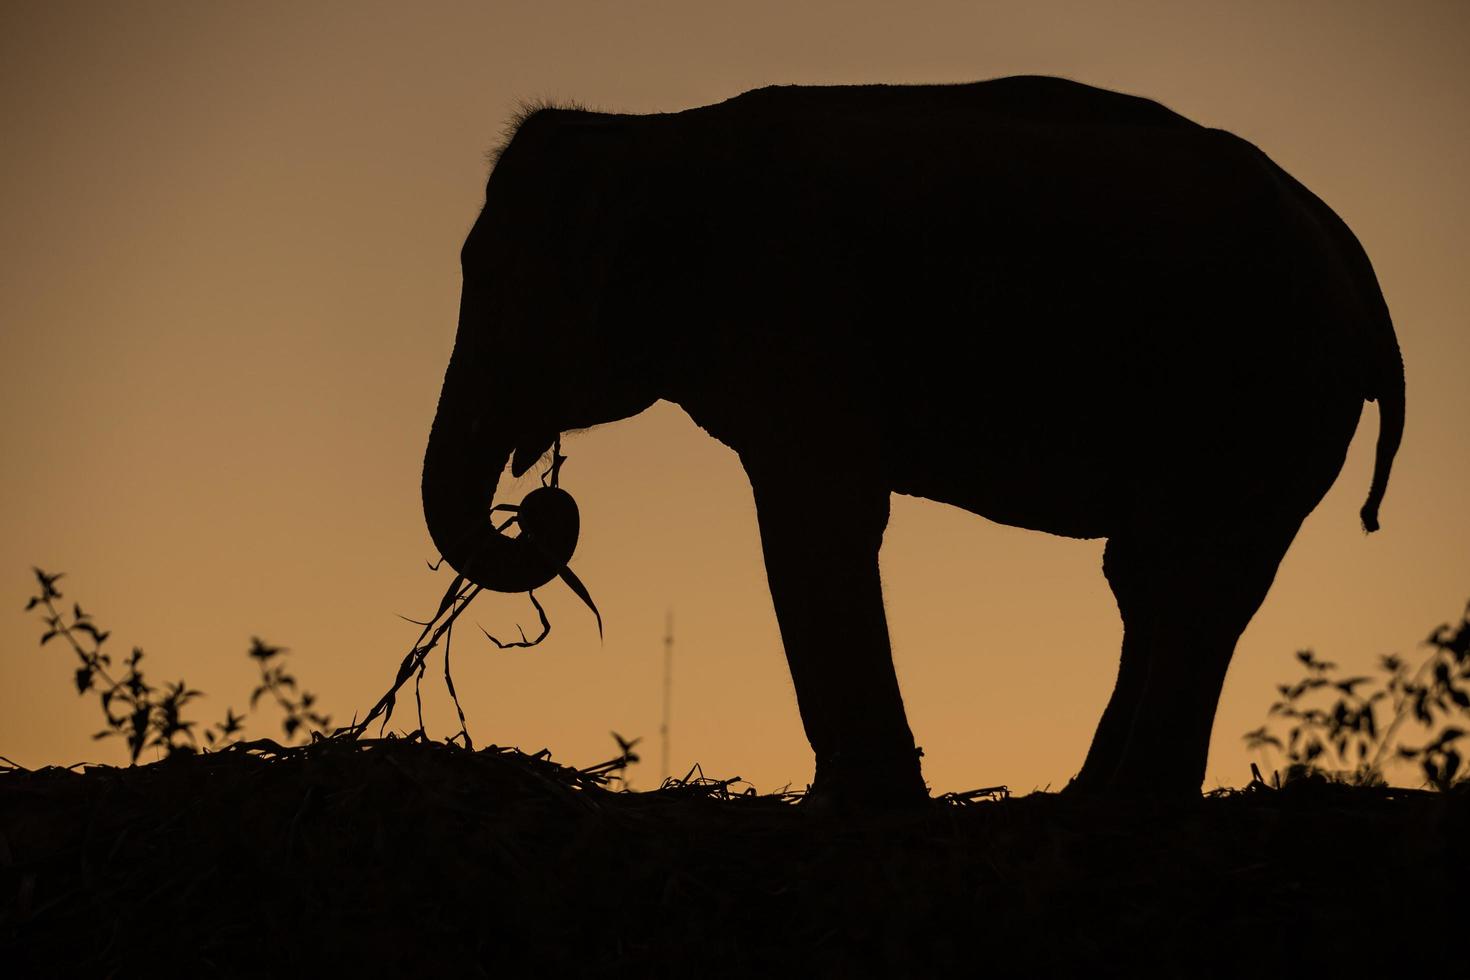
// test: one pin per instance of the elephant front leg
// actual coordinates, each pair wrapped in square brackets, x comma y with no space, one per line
[821,552]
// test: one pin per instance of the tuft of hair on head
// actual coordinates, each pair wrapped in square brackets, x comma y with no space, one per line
[524,110]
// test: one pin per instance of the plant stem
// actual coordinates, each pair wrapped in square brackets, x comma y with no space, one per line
[1400,712]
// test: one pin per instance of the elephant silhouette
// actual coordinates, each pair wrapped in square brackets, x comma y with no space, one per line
[1055,306]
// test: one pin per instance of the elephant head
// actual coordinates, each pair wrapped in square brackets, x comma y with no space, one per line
[539,351]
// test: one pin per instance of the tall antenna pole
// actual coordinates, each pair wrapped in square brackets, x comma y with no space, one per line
[663,729]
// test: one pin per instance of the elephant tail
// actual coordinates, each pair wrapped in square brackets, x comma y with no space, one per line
[1389,393]
[1384,367]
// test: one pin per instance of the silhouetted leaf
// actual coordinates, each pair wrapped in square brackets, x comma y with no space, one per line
[624,744]
[262,651]
[389,700]
[48,583]
[575,584]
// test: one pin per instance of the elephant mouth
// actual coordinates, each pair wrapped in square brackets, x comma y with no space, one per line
[529,450]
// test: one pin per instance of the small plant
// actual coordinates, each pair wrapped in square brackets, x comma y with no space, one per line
[151,717]
[282,687]
[144,715]
[1336,729]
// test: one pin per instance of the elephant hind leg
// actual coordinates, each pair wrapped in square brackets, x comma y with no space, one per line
[1185,596]
[1112,732]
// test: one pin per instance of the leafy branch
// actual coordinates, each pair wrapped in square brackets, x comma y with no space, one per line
[1350,728]
[281,686]
[144,715]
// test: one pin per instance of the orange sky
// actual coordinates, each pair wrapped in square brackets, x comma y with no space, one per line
[228,289]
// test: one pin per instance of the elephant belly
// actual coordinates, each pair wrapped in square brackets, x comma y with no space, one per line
[1039,459]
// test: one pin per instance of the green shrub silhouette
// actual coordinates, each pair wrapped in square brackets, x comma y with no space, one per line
[152,717]
[1349,728]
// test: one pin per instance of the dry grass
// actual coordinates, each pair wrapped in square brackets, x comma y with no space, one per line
[411,858]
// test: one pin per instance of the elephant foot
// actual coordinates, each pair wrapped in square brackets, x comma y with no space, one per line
[1087,782]
[869,782]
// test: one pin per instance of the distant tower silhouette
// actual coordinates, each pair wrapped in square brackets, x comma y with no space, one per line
[663,729]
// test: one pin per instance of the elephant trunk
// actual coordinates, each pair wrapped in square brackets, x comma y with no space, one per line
[466,454]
